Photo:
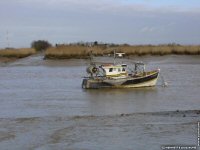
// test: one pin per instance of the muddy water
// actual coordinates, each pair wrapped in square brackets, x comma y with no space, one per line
[33,87]
[42,106]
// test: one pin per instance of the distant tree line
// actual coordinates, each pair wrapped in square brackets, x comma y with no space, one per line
[91,44]
[40,45]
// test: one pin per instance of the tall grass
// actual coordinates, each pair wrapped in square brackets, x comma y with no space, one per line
[69,51]
[160,50]
[17,53]
[77,51]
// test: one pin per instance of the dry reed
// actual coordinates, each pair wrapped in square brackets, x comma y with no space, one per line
[17,53]
[66,52]
[76,51]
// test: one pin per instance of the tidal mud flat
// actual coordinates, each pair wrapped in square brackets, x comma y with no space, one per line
[114,132]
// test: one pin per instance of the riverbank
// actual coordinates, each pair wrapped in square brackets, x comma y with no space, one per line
[78,51]
[83,52]
[115,132]
[9,55]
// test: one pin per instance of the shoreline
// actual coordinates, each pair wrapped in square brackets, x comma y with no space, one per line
[7,59]
[83,52]
[127,131]
[11,54]
[127,56]
[176,113]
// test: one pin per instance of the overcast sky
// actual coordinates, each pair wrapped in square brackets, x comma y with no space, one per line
[117,21]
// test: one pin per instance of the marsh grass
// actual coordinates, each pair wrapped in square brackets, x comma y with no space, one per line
[76,51]
[161,50]
[17,53]
[72,51]
[66,52]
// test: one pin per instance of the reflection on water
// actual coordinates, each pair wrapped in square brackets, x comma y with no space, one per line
[36,87]
[109,101]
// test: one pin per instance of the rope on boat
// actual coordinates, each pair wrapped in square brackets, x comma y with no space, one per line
[164,83]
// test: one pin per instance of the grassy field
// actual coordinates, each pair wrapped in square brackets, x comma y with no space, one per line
[75,51]
[17,53]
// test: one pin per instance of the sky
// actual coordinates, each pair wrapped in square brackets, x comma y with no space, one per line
[110,21]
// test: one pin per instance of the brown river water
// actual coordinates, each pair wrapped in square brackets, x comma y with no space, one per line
[42,106]
[33,87]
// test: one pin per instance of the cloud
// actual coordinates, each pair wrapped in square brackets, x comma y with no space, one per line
[148,29]
[118,21]
[109,6]
[121,6]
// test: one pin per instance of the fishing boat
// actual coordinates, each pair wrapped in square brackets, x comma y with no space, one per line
[119,75]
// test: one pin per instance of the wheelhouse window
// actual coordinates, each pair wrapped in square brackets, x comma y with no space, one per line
[123,69]
[119,69]
[111,70]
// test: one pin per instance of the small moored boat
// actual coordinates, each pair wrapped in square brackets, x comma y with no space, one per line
[119,76]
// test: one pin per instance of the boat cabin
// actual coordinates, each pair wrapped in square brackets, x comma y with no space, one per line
[111,70]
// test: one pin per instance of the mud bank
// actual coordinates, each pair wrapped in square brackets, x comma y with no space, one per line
[126,131]
[7,60]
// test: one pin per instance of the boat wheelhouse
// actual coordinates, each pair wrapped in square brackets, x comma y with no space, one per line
[114,71]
